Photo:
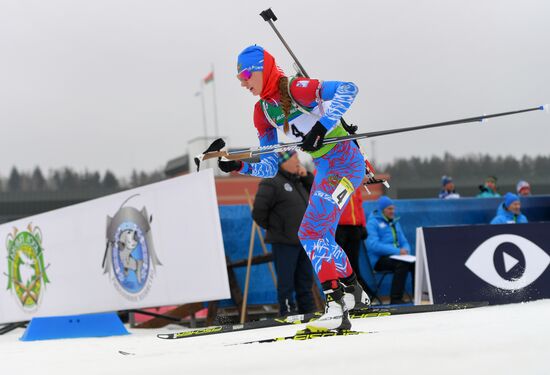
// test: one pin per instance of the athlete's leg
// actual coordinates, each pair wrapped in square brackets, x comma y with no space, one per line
[343,165]
[323,212]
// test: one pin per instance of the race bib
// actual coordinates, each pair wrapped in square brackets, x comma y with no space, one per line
[342,192]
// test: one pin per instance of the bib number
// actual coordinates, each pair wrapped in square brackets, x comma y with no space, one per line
[342,192]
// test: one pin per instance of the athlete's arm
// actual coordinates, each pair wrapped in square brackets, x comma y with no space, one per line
[341,94]
[267,134]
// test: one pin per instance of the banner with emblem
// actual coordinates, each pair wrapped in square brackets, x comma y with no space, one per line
[155,245]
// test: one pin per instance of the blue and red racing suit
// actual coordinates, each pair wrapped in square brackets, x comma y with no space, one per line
[335,164]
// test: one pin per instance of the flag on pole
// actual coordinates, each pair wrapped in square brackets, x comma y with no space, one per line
[209,77]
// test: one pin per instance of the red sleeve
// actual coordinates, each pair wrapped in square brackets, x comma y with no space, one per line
[305,91]
[260,122]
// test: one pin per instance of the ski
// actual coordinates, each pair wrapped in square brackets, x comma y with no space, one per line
[370,312]
[306,334]
[266,323]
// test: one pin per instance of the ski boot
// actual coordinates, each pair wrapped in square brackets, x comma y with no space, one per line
[336,316]
[354,295]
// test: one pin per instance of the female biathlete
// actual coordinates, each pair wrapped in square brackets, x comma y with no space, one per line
[308,110]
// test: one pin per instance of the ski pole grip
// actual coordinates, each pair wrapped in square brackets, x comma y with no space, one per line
[268,15]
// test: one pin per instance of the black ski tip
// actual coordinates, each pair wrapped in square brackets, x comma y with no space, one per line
[268,15]
[217,145]
[125,353]
[197,163]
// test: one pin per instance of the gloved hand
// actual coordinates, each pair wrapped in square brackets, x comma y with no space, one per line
[314,139]
[229,165]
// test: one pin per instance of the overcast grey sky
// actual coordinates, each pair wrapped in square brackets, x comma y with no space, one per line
[110,83]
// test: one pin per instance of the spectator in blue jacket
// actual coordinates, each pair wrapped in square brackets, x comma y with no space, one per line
[386,238]
[448,188]
[509,211]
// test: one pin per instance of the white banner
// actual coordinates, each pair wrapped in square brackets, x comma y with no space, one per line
[155,245]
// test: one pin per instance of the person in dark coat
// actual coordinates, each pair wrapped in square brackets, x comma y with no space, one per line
[279,207]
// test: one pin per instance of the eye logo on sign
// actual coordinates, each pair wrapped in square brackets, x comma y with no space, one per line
[512,267]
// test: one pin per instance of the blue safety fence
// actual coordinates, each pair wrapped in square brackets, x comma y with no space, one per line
[236,222]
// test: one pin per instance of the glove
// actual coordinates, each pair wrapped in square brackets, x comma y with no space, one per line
[364,233]
[314,139]
[230,165]
[217,145]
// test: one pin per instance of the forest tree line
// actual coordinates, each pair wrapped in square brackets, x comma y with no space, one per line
[413,171]
[419,171]
[67,179]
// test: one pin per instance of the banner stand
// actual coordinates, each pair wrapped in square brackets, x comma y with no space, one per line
[74,326]
[422,282]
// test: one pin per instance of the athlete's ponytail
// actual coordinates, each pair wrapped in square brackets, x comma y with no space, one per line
[286,101]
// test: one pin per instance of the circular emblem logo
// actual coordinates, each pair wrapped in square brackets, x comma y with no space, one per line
[287,186]
[130,257]
[26,272]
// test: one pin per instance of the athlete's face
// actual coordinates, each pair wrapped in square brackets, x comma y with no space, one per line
[254,84]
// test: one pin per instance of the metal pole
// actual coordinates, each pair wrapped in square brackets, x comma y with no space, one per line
[203,111]
[216,129]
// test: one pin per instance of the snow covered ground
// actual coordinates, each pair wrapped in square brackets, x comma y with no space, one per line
[509,339]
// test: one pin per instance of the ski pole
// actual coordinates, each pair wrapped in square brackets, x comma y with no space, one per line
[256,151]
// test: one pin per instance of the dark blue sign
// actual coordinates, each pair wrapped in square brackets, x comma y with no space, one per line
[495,263]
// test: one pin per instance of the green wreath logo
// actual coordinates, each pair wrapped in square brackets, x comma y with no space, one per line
[26,272]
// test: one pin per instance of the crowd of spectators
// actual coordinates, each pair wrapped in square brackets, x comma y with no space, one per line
[508,211]
[489,188]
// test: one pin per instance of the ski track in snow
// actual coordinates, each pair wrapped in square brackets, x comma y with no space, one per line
[507,339]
